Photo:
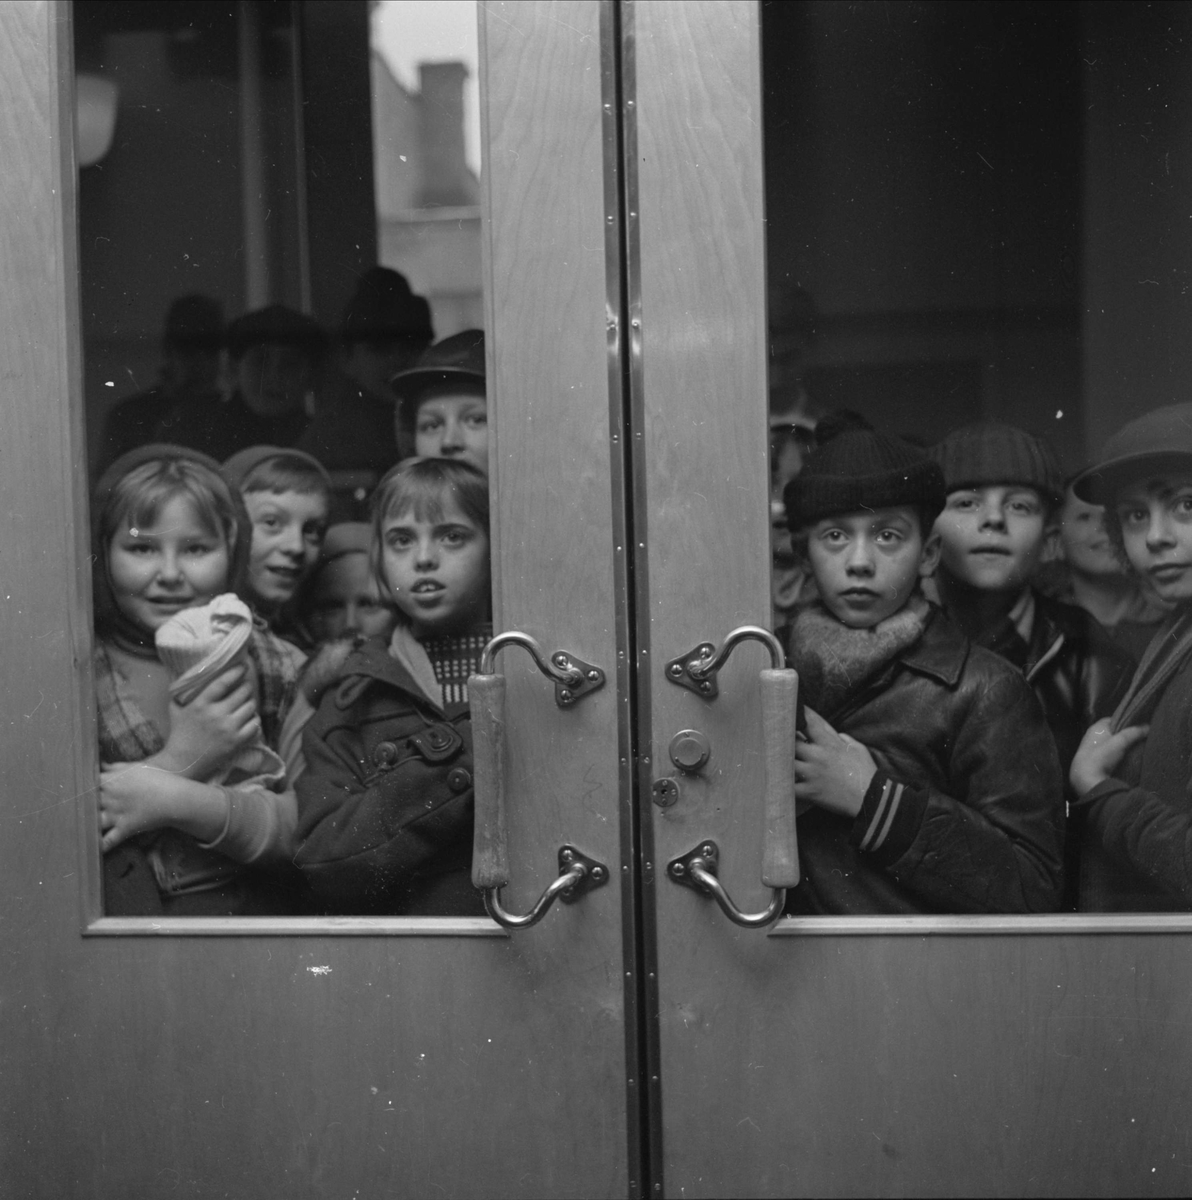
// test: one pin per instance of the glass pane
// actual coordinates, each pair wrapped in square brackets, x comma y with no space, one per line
[975,243]
[280,269]
[426,153]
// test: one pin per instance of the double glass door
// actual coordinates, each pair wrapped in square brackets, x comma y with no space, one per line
[634,1042]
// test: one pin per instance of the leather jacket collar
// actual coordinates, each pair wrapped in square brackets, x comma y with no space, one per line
[941,652]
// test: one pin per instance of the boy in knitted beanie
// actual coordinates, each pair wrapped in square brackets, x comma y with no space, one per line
[1132,774]
[933,781]
[1004,494]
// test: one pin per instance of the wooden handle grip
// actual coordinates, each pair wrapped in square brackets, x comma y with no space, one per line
[780,853]
[490,856]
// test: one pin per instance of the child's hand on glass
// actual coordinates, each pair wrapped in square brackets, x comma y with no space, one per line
[832,769]
[212,727]
[140,797]
[132,799]
[1100,752]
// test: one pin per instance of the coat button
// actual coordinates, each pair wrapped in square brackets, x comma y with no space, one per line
[459,780]
[385,755]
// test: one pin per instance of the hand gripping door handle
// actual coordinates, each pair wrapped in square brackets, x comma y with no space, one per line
[780,854]
[573,679]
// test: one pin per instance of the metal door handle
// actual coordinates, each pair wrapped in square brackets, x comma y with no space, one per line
[577,874]
[780,853]
[573,678]
[697,869]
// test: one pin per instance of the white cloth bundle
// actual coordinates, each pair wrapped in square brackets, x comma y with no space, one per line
[196,645]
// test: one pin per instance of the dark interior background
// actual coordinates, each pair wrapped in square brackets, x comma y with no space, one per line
[980,210]
[974,209]
[164,214]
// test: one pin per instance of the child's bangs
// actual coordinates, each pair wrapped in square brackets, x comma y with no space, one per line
[424,499]
[285,473]
[429,488]
[139,498]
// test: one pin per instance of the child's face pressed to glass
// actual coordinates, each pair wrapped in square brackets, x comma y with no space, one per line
[346,599]
[287,531]
[866,564]
[1156,520]
[1087,548]
[453,423]
[992,537]
[173,564]
[437,569]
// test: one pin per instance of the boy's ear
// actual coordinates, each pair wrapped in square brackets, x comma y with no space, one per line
[929,559]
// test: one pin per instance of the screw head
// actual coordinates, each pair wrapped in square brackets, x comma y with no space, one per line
[707,849]
[559,659]
[676,670]
[593,676]
[565,696]
[597,872]
[706,686]
[678,868]
[566,856]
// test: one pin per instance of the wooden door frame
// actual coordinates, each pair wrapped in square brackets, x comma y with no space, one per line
[259,1037]
[802,1033]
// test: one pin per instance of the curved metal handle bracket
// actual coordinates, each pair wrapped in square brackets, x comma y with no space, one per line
[573,678]
[697,669]
[697,869]
[578,874]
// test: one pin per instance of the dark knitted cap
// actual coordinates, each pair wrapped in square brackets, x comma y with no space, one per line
[855,468]
[990,453]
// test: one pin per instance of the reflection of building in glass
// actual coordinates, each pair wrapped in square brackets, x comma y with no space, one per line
[427,198]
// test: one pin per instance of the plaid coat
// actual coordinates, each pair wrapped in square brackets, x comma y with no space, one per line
[139,872]
[127,735]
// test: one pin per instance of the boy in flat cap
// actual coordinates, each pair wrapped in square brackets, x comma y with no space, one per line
[442,410]
[933,780]
[1004,492]
[1133,772]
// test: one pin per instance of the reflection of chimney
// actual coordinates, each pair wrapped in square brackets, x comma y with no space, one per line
[446,180]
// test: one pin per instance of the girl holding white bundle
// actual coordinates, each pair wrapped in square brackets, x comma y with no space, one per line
[195,812]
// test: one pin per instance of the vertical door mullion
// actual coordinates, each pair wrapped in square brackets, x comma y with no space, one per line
[643,1080]
[697,371]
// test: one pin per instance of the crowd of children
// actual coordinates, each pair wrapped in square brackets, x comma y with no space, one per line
[994,670]
[242,774]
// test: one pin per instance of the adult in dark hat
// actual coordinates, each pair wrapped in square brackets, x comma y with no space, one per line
[192,345]
[385,328]
[442,411]
[276,355]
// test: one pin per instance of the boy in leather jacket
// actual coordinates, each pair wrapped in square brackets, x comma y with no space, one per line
[932,779]
[385,787]
[1004,492]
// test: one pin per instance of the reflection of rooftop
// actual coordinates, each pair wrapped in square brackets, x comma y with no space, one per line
[418,140]
[428,199]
